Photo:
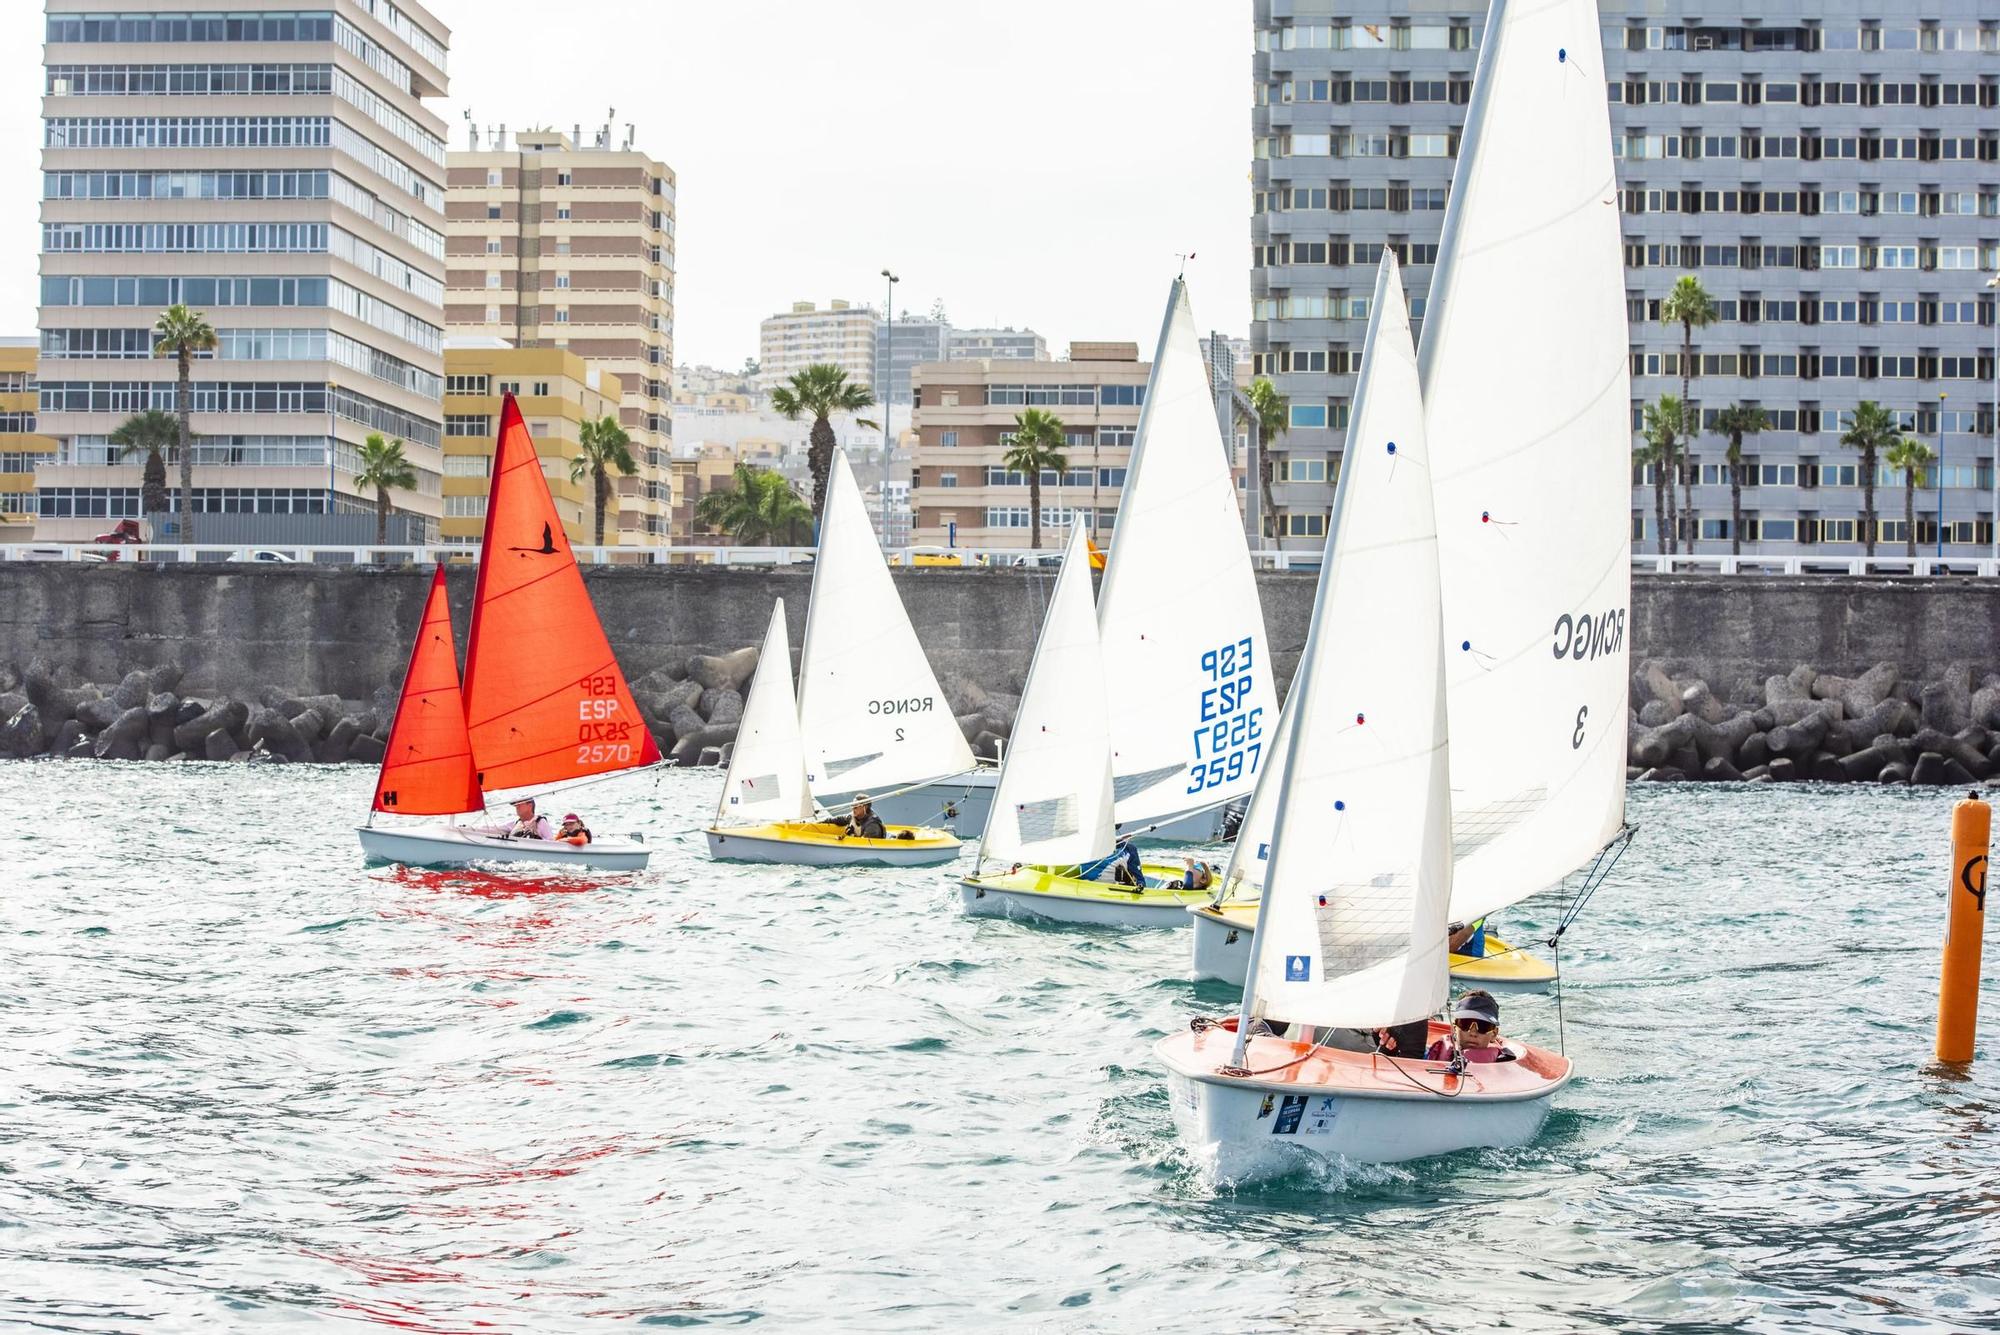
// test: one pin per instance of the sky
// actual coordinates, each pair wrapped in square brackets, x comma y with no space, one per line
[1026,162]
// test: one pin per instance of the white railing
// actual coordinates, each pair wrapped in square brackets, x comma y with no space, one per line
[1921,567]
[965,557]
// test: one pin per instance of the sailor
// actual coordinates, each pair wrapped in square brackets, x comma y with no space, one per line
[861,821]
[1199,875]
[573,830]
[1475,1031]
[1125,866]
[525,825]
[1468,939]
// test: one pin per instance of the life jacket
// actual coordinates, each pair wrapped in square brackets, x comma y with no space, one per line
[564,832]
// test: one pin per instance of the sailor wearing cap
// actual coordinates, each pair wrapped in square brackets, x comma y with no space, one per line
[525,825]
[1475,1031]
[861,822]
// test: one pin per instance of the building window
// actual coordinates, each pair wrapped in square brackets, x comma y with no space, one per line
[492,177]
[1304,526]
[468,384]
[492,247]
[493,280]
[562,213]
[948,439]
[467,465]
[541,388]
[465,507]
[476,425]
[562,280]
[562,178]
[562,315]
[1308,415]
[948,478]
[493,315]
[492,211]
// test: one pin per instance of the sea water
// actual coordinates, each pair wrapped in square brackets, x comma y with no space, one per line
[248,1082]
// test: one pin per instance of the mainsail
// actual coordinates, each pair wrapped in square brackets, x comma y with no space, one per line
[1187,665]
[1052,806]
[1351,926]
[427,767]
[767,767]
[870,707]
[1528,414]
[544,699]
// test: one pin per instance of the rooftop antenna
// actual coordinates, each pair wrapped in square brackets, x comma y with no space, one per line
[1183,259]
[471,131]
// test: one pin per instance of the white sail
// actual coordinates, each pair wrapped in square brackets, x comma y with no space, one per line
[1250,856]
[1187,666]
[869,705]
[1351,931]
[1053,803]
[767,767]
[1528,405]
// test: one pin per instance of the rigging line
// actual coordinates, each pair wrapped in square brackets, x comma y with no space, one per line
[1600,871]
[595,778]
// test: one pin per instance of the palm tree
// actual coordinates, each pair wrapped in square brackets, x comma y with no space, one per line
[760,510]
[1270,411]
[1873,433]
[1662,431]
[384,468]
[1037,441]
[183,333]
[1660,420]
[1690,307]
[1909,455]
[1737,421]
[605,446]
[154,434]
[821,390]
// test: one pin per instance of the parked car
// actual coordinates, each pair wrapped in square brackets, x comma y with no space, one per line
[54,552]
[262,554]
[125,534]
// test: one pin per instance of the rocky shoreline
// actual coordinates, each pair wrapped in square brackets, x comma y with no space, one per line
[1811,725]
[692,709]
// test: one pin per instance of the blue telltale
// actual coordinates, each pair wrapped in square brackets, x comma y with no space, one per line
[1562,54]
[1465,644]
[1392,447]
[1340,806]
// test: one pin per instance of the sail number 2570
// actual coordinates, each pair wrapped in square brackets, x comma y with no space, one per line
[1230,740]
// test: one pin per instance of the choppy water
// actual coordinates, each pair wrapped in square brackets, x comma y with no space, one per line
[247,1082]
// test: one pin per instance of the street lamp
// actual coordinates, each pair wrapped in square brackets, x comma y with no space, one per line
[888,394]
[1940,473]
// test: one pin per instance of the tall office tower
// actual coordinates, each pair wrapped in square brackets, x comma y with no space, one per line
[842,334]
[1832,181]
[562,241]
[278,171]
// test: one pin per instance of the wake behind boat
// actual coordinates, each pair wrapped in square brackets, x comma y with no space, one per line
[543,699]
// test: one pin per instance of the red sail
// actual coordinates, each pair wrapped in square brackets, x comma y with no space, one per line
[544,699]
[427,766]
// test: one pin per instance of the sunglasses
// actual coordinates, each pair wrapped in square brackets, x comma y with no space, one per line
[1478,1026]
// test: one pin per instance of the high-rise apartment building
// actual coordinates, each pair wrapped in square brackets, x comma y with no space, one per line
[567,241]
[842,334]
[963,493]
[901,345]
[971,345]
[1831,177]
[558,392]
[23,449]
[277,170]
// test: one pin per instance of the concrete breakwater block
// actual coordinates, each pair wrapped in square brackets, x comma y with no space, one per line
[1803,725]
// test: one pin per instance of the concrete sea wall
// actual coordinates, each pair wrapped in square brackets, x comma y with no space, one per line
[346,632]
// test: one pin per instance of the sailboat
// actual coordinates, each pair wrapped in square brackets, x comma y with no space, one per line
[1185,660]
[1352,919]
[1526,413]
[767,813]
[870,714]
[543,700]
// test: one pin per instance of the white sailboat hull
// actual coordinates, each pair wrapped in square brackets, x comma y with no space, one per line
[1331,1105]
[457,846]
[1221,947]
[968,795]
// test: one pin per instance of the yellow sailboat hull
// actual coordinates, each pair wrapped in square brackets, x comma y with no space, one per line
[1053,895]
[804,843]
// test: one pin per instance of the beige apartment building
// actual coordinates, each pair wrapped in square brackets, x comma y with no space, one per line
[281,172]
[962,494]
[842,334]
[23,449]
[566,241]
